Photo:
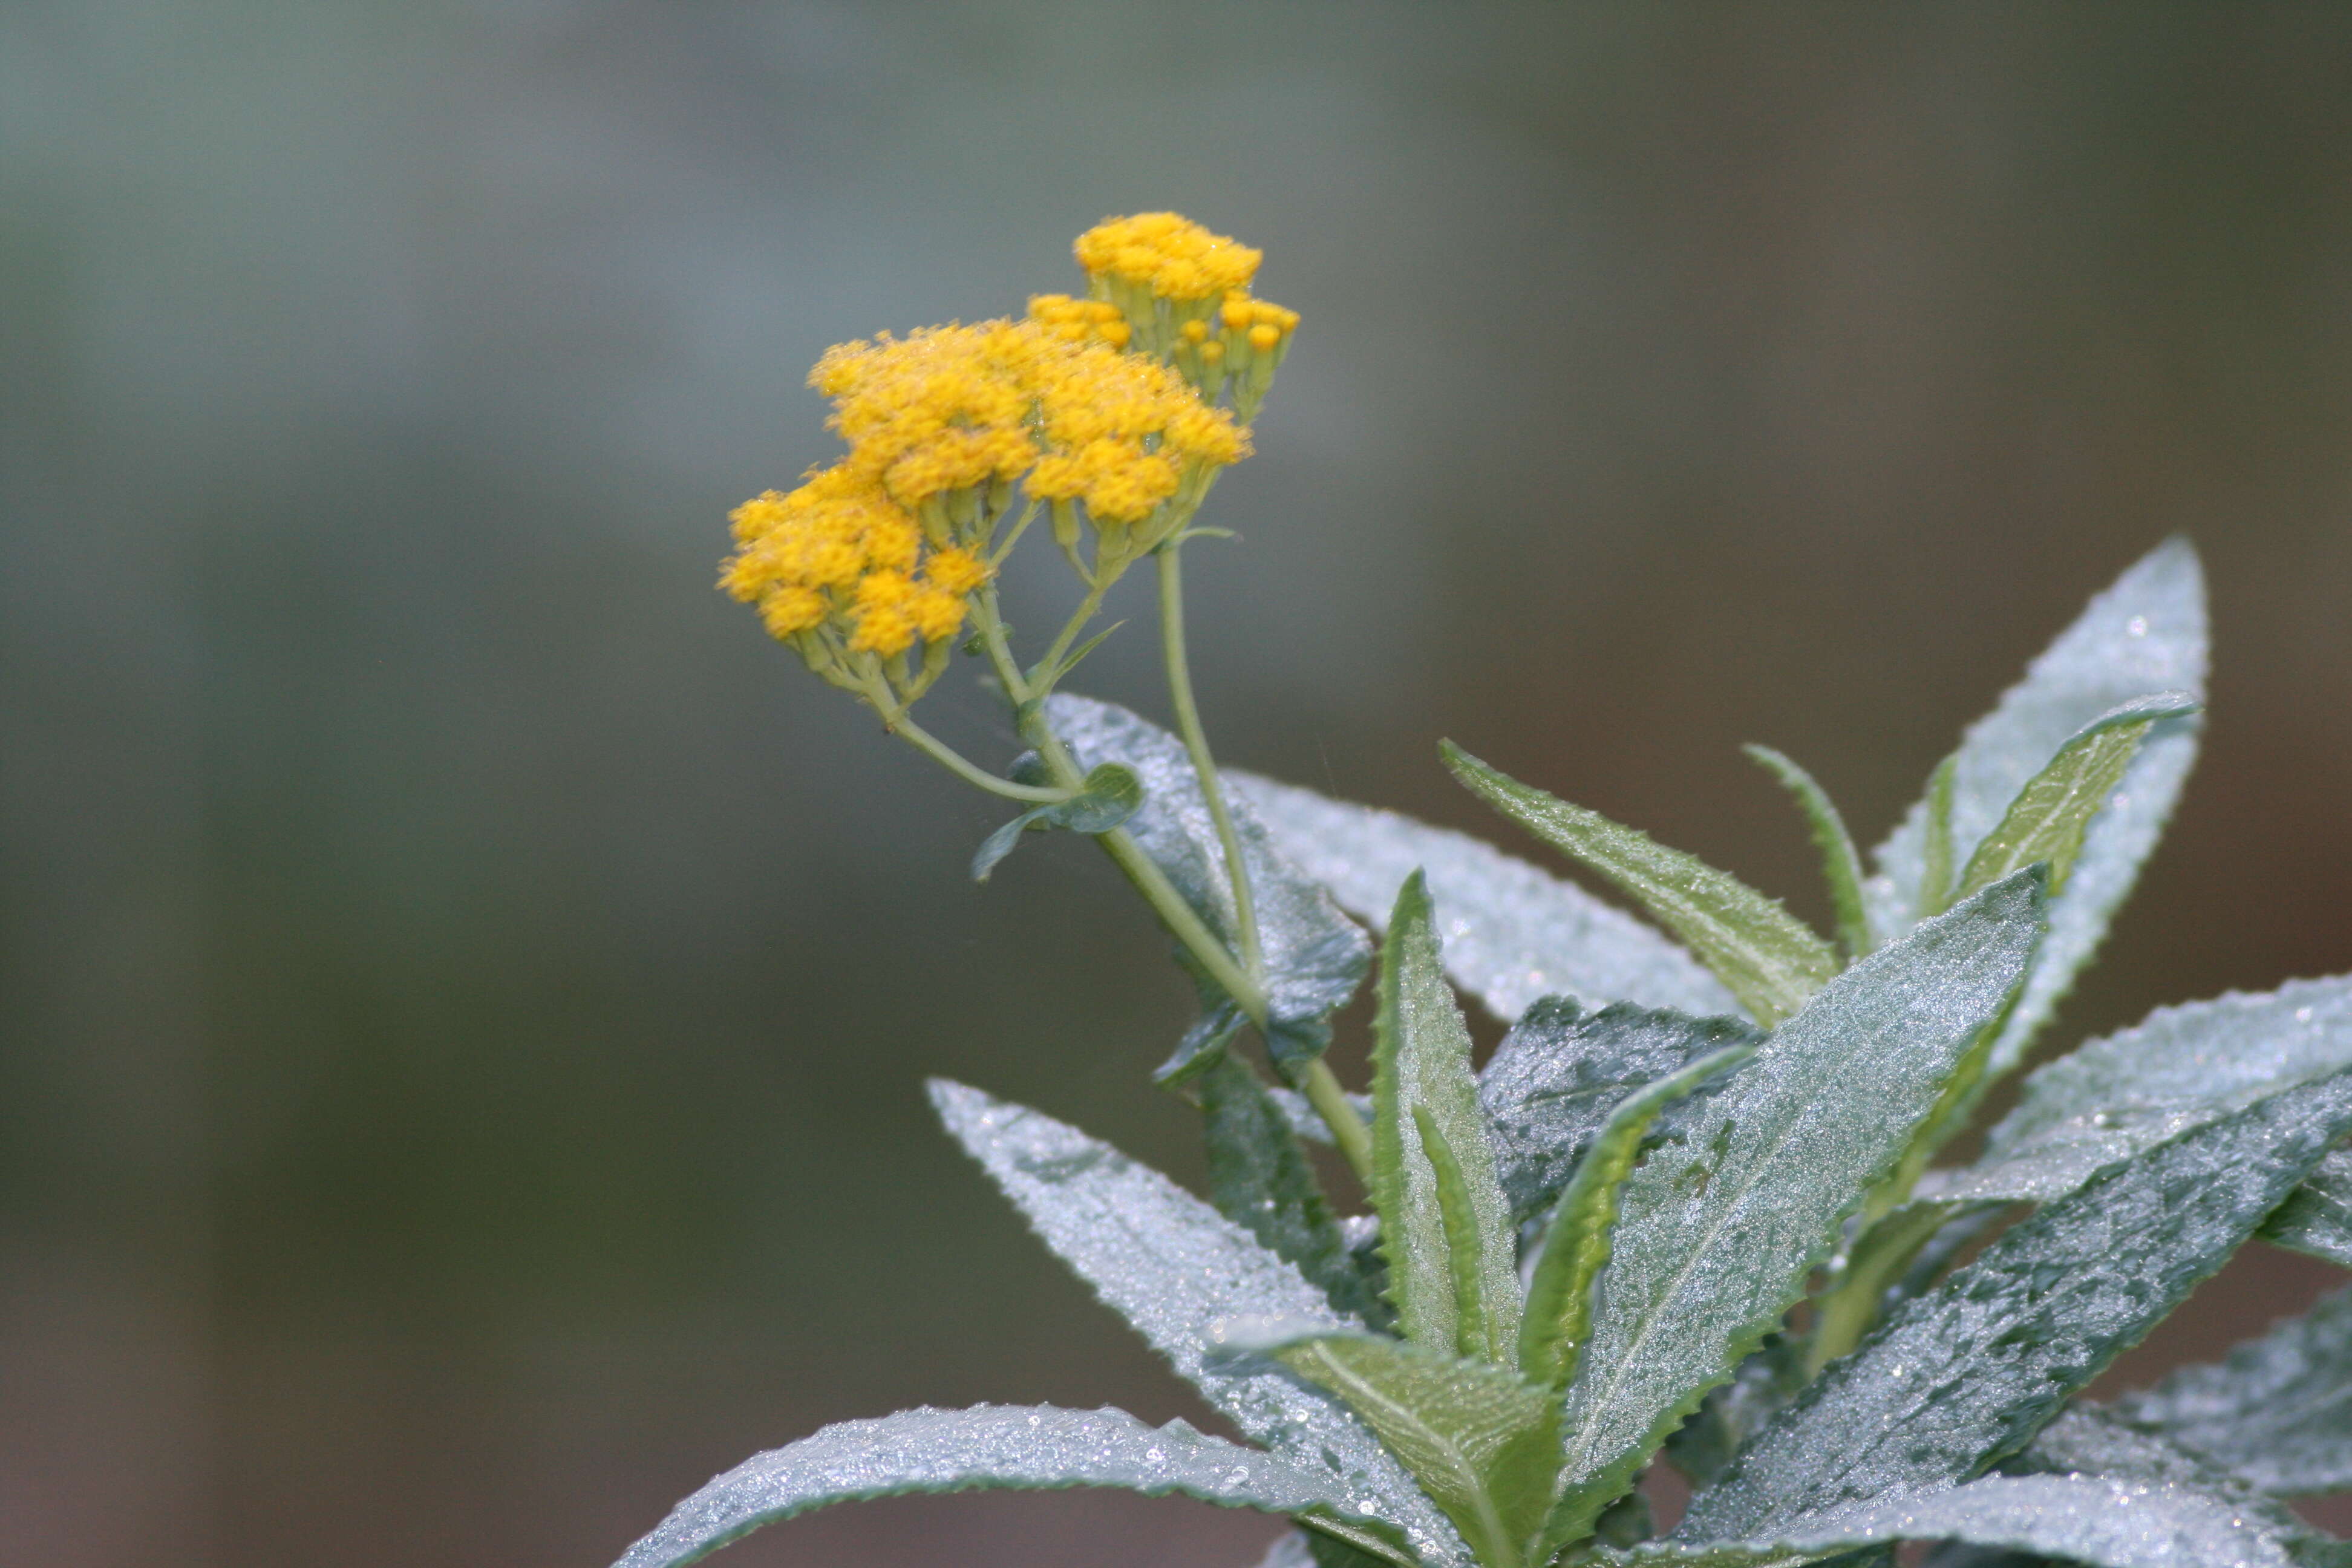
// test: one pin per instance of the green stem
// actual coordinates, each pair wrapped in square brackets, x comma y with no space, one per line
[1048,670]
[1196,743]
[1245,986]
[964,768]
[1182,919]
[1348,1130]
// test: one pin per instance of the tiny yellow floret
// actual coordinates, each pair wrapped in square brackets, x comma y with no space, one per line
[1167,255]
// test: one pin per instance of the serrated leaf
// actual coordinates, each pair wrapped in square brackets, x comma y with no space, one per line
[988,1446]
[1764,955]
[1769,1378]
[1840,865]
[1111,795]
[1173,1267]
[2179,1067]
[1483,1442]
[1514,933]
[1961,1377]
[1422,1083]
[2144,633]
[2048,818]
[1577,1242]
[2083,1520]
[2277,1410]
[2093,1440]
[1260,1179]
[2317,1220]
[1561,1071]
[1314,956]
[1720,1229]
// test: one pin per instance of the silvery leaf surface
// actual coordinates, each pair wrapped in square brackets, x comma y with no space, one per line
[1445,1229]
[1960,1378]
[2317,1220]
[1314,956]
[2277,1410]
[2093,1440]
[2178,1068]
[1719,1230]
[1513,932]
[2080,1518]
[1580,1234]
[1174,1267]
[1482,1441]
[988,1446]
[1260,1179]
[1769,959]
[1562,1070]
[2145,634]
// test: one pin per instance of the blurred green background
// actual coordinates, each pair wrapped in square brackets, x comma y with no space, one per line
[465,992]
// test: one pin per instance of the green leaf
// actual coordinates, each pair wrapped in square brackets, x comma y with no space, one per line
[2051,814]
[1314,956]
[1174,1267]
[1456,1287]
[1483,1442]
[1028,1447]
[2083,1520]
[1967,1375]
[1840,865]
[1513,933]
[1719,1230]
[1934,894]
[2317,1220]
[1260,1179]
[1769,1378]
[1577,1241]
[1562,1072]
[2277,1410]
[2146,633]
[1111,796]
[2177,1068]
[1769,959]
[2093,1440]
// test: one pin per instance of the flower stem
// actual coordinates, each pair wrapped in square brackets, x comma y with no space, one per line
[1321,1086]
[1196,744]
[1182,919]
[969,772]
[1347,1131]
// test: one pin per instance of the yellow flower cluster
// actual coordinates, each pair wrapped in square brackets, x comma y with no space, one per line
[1076,320]
[1166,256]
[1184,295]
[1107,404]
[838,554]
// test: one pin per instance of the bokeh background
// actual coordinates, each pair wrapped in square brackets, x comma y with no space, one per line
[466,993]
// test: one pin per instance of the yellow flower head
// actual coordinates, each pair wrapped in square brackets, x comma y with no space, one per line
[1167,255]
[1107,404]
[1081,321]
[840,552]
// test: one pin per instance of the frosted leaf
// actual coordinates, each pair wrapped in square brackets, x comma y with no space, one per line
[1968,1373]
[1314,956]
[2105,1522]
[2178,1068]
[1719,1230]
[2278,1410]
[2145,634]
[1512,932]
[1174,1267]
[987,1447]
